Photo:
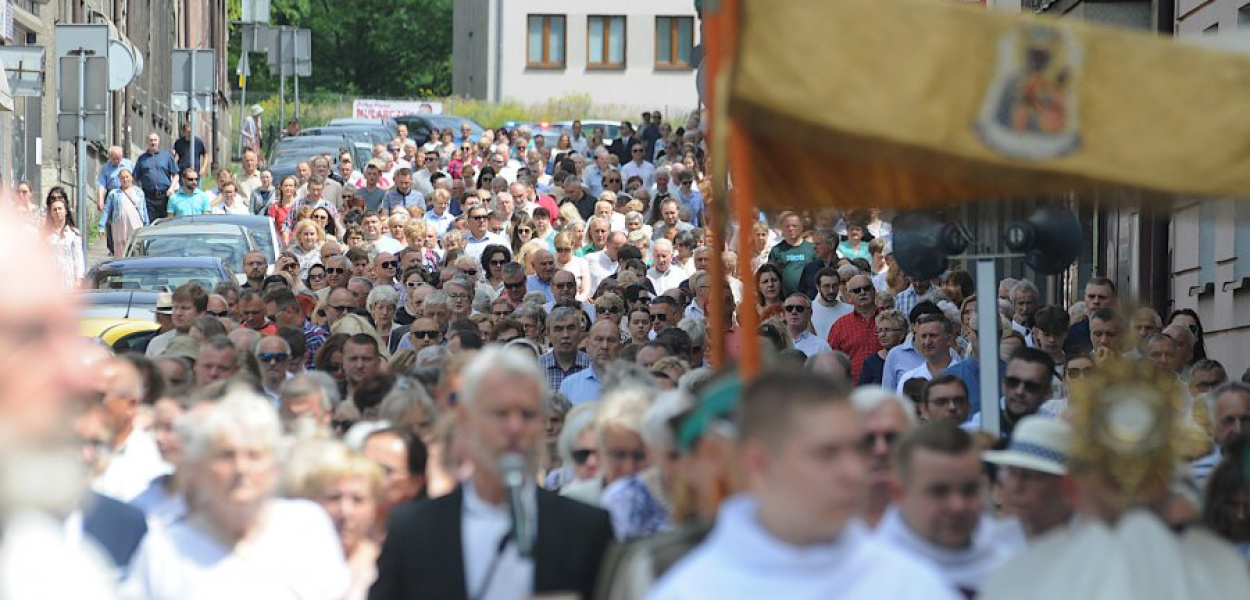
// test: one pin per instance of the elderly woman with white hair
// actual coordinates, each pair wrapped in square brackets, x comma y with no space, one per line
[381,304]
[238,540]
[577,448]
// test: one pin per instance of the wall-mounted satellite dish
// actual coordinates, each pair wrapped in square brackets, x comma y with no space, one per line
[125,65]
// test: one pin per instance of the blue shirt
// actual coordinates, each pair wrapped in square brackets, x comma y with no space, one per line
[556,375]
[533,284]
[413,199]
[109,172]
[969,371]
[155,171]
[440,224]
[695,203]
[582,386]
[182,204]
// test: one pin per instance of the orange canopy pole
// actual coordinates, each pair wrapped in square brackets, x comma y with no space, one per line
[744,209]
[719,25]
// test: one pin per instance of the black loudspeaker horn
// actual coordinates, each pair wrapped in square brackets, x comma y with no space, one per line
[923,241]
[1051,239]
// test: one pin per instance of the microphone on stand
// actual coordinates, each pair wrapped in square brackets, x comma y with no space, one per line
[514,469]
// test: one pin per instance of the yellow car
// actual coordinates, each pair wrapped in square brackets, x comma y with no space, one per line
[118,334]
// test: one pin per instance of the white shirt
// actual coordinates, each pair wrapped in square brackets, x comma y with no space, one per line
[238,207]
[993,543]
[667,280]
[646,171]
[131,468]
[159,344]
[387,243]
[158,505]
[809,344]
[482,526]
[920,372]
[296,556]
[823,317]
[476,246]
[740,559]
[601,266]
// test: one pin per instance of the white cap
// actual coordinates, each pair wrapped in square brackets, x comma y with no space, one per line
[257,109]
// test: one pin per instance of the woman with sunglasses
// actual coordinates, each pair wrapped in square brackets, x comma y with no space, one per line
[316,279]
[566,260]
[64,237]
[577,448]
[322,217]
[522,233]
[494,257]
[1188,318]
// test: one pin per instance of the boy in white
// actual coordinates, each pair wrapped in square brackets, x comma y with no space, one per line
[793,536]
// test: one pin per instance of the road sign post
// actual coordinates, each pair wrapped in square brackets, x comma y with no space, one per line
[82,110]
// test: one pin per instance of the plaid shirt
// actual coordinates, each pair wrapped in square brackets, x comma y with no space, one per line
[314,337]
[556,375]
[857,337]
[909,298]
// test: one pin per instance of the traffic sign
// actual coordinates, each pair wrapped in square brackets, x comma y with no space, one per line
[95,98]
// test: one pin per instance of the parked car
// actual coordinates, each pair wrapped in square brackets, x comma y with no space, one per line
[419,125]
[288,152]
[551,132]
[117,304]
[159,274]
[259,227]
[174,238]
[611,129]
[390,124]
[358,134]
[119,335]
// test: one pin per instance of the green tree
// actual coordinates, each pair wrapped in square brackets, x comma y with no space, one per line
[371,47]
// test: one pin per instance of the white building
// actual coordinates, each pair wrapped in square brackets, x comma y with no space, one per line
[638,54]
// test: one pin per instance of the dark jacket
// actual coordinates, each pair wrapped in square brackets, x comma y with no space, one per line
[117,527]
[423,553]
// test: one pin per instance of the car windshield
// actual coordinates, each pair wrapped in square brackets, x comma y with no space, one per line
[117,311]
[155,279]
[229,248]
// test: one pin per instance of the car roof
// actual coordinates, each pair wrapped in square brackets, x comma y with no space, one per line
[159,262]
[360,121]
[118,297]
[241,220]
[178,227]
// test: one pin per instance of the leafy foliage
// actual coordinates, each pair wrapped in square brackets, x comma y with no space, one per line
[388,48]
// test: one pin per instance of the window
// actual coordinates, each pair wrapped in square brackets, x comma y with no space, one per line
[605,42]
[544,46]
[674,42]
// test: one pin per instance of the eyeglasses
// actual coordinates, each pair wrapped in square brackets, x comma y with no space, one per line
[564,286]
[290,267]
[348,196]
[426,335]
[564,249]
[795,308]
[659,317]
[613,180]
[390,264]
[1072,373]
[581,455]
[860,290]
[336,270]
[1032,387]
[478,217]
[268,357]
[500,313]
[470,272]
[516,285]
[343,308]
[636,151]
[317,276]
[189,180]
[219,315]
[524,230]
[611,310]
[458,296]
[321,217]
[498,263]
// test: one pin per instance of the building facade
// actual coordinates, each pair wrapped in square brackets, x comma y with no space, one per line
[641,54]
[29,149]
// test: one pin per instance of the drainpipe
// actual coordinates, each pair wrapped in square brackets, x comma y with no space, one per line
[499,51]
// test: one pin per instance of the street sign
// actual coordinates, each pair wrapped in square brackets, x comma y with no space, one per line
[244,69]
[255,11]
[23,66]
[194,80]
[303,53]
[95,98]
[125,65]
[94,39]
[290,52]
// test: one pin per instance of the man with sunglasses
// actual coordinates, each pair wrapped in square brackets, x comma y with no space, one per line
[665,313]
[856,333]
[798,313]
[1026,386]
[940,517]
[478,237]
[189,199]
[273,354]
[638,166]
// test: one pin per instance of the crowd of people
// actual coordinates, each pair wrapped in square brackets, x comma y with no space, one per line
[345,424]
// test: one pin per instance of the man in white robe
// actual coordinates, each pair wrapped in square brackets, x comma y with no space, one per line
[794,535]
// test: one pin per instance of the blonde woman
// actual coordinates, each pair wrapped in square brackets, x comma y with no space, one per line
[395,226]
[527,250]
[453,240]
[308,237]
[565,245]
[418,235]
[348,485]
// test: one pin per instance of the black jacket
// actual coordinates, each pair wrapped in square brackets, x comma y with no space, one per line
[423,553]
